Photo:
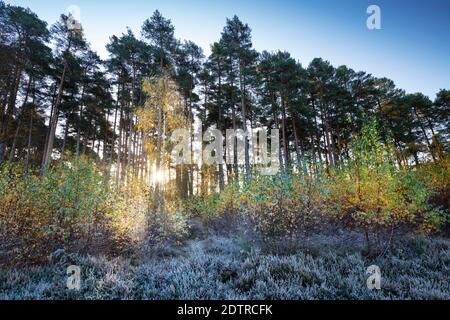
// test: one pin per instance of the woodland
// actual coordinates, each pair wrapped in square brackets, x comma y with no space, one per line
[87,175]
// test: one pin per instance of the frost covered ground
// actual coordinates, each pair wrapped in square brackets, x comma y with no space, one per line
[220,267]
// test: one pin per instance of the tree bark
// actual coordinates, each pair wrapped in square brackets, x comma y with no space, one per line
[244,123]
[54,123]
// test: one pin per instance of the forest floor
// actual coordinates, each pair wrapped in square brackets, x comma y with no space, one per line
[231,267]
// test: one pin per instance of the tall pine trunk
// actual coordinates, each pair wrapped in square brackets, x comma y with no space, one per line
[53,123]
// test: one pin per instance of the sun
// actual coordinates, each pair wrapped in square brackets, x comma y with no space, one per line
[159,176]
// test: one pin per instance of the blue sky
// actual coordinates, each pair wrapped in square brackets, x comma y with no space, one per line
[413,47]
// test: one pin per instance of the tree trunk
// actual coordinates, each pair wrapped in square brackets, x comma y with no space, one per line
[66,133]
[284,134]
[244,124]
[424,133]
[53,123]
[7,120]
[119,148]
[297,150]
[19,120]
[219,126]
[30,130]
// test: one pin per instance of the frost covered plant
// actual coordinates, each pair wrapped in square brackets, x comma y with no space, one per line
[217,268]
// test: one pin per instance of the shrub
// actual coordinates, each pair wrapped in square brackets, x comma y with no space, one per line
[217,210]
[204,207]
[436,176]
[40,215]
[270,204]
[72,209]
[230,201]
[372,194]
[129,212]
[283,205]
